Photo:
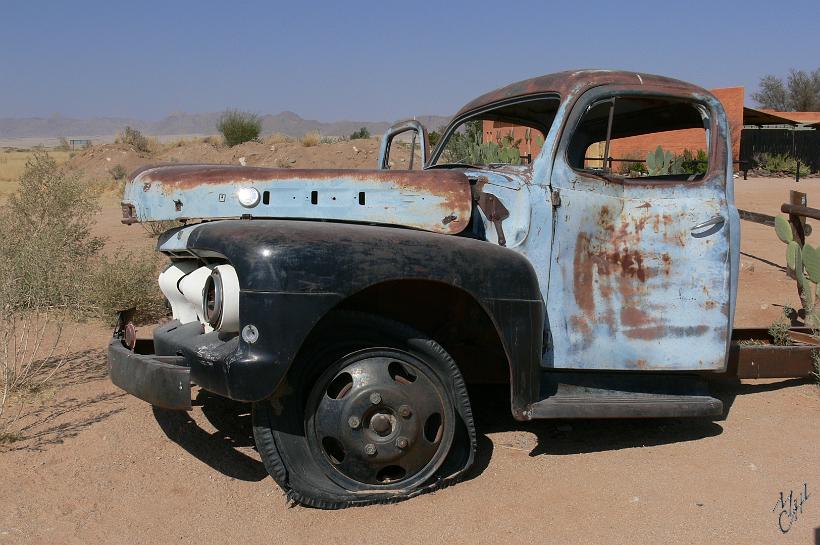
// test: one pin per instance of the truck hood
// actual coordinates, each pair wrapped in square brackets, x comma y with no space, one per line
[433,200]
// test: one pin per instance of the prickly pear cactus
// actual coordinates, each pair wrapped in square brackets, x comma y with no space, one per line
[783,229]
[658,162]
[677,165]
[811,262]
[803,264]
[791,255]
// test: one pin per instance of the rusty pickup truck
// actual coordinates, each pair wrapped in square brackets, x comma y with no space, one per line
[573,236]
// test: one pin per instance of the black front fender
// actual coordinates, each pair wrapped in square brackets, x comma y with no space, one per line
[292,273]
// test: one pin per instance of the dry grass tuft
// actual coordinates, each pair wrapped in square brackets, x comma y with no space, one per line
[278,138]
[311,139]
[156,228]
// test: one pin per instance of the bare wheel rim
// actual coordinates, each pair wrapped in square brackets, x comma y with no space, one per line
[380,419]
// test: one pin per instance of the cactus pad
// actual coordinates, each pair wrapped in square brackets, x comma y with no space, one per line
[791,255]
[811,261]
[783,229]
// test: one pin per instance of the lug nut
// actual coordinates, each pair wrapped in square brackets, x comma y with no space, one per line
[404,411]
[370,449]
[375,398]
[353,422]
[402,442]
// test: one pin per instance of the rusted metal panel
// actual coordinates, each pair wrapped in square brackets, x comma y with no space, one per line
[753,356]
[438,201]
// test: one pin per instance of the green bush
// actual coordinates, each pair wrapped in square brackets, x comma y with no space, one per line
[135,138]
[632,166]
[780,164]
[467,146]
[694,163]
[127,280]
[361,133]
[239,127]
[47,247]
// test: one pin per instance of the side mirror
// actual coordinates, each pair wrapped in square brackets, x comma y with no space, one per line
[420,134]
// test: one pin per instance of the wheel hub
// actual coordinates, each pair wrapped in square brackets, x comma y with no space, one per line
[382,424]
[380,419]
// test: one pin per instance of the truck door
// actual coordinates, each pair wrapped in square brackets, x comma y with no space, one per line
[644,256]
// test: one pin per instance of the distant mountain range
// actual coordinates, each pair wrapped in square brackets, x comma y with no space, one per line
[288,123]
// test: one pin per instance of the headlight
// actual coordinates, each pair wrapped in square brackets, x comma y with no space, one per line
[220,299]
[248,196]
[212,299]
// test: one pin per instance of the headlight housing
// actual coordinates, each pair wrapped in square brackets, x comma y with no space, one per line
[220,299]
[212,299]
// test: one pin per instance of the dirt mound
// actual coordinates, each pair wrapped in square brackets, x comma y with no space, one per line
[97,162]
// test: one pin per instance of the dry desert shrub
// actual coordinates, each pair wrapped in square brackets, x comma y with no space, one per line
[127,280]
[311,139]
[32,352]
[118,172]
[135,139]
[49,258]
[47,245]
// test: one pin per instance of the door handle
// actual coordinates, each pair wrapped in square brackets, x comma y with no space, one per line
[715,220]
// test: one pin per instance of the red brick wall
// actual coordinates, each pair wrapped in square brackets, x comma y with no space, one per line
[495,131]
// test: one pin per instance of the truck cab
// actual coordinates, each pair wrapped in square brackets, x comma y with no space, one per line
[572,235]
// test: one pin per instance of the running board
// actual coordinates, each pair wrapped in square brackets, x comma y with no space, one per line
[623,395]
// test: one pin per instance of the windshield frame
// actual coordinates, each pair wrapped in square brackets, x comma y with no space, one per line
[468,116]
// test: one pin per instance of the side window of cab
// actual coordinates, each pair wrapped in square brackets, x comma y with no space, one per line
[635,136]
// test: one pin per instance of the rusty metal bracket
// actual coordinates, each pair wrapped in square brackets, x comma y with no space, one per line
[555,197]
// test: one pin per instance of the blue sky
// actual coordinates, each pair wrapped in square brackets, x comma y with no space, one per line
[369,60]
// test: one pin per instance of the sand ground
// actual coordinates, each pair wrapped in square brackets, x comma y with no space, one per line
[98,466]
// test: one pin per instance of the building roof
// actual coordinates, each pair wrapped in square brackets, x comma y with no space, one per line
[576,82]
[802,118]
[752,116]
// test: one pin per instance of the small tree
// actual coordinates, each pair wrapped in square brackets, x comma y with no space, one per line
[238,127]
[800,92]
[361,133]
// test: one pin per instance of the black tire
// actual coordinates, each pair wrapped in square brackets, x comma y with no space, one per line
[394,452]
